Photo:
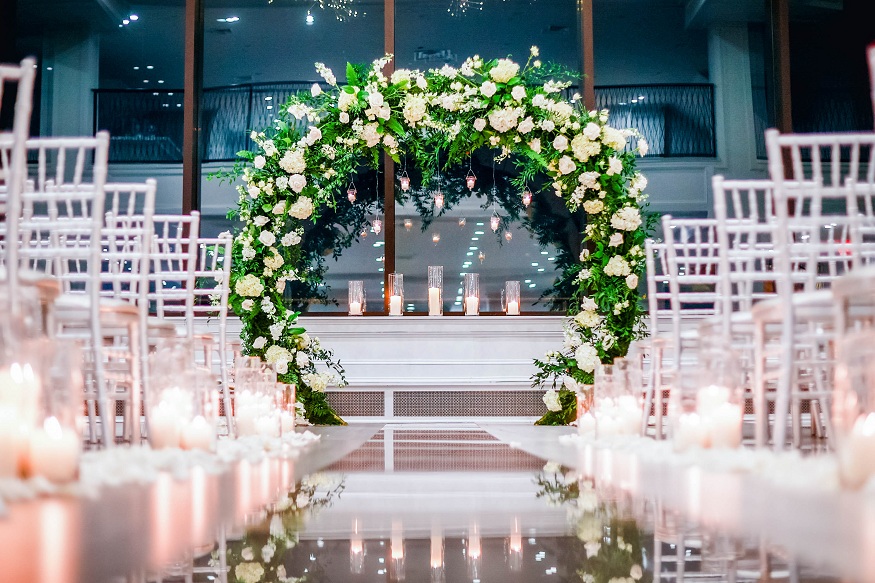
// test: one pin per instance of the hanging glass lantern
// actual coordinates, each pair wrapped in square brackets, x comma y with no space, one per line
[378,226]
[494,222]
[470,179]
[508,235]
[527,197]
[364,234]
[462,221]
[481,256]
[435,237]
[408,224]
[405,181]
[439,200]
[351,192]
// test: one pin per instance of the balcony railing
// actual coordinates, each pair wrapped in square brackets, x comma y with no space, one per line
[146,126]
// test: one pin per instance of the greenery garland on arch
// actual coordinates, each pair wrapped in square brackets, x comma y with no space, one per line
[436,119]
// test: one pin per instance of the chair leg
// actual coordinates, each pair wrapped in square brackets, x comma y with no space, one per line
[796,416]
[760,403]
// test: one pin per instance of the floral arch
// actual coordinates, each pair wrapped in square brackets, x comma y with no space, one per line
[321,138]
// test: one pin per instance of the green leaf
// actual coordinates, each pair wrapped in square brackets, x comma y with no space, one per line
[352,77]
[395,126]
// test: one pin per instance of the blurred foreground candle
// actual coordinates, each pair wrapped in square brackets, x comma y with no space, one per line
[857,452]
[54,452]
[435,286]
[198,434]
[396,294]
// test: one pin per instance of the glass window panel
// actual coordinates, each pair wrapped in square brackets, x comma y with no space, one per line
[428,34]
[255,56]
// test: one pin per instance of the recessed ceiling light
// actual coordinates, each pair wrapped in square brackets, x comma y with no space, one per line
[478,232]
[136,68]
[531,285]
[145,80]
[544,253]
[540,269]
[270,107]
[310,20]
[161,80]
[49,68]
[268,98]
[126,21]
[469,253]
[150,67]
[480,225]
[528,281]
[473,248]
[134,17]
[534,264]
[155,94]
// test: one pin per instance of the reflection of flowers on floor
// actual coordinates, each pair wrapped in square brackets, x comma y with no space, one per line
[260,556]
[610,545]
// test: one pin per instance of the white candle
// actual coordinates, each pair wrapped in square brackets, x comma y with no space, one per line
[586,424]
[689,432]
[13,442]
[355,308]
[472,306]
[54,452]
[857,453]
[513,308]
[198,434]
[710,398]
[165,426]
[394,305]
[724,426]
[437,551]
[434,301]
[20,388]
[287,422]
[269,425]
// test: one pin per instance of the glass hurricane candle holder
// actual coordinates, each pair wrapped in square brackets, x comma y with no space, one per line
[19,402]
[396,294]
[285,399]
[435,290]
[585,418]
[511,297]
[256,411]
[472,294]
[356,297]
[182,404]
[853,409]
[54,443]
[616,411]
[706,405]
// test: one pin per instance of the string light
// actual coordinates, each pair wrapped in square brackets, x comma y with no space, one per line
[435,237]
[378,226]
[527,197]
[508,235]
[494,221]
[470,178]
[351,191]
[462,221]
[408,224]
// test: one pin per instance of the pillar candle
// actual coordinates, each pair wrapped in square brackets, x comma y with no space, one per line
[434,301]
[394,305]
[198,434]
[165,428]
[472,306]
[724,426]
[54,452]
[13,442]
[856,453]
[689,432]
[513,308]
[355,308]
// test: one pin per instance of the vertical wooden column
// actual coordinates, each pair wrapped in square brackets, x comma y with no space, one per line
[587,56]
[779,36]
[388,164]
[191,105]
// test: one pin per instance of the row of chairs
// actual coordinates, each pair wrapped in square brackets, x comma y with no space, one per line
[757,277]
[89,260]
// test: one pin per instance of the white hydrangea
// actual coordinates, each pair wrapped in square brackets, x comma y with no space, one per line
[316,381]
[370,135]
[267,306]
[504,70]
[584,148]
[547,125]
[587,357]
[551,400]
[539,100]
[249,286]
[615,166]
[301,209]
[626,219]
[593,207]
[613,138]
[505,119]
[248,253]
[276,353]
[618,267]
[276,330]
[587,319]
[274,261]
[347,99]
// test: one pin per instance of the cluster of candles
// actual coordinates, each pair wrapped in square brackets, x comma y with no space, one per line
[173,422]
[33,444]
[715,423]
[470,289]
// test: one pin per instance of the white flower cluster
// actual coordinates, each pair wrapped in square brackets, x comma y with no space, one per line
[317,381]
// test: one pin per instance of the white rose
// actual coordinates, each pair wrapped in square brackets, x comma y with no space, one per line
[247,305]
[547,125]
[254,191]
[260,220]
[615,166]
[592,131]
[551,400]
[313,135]
[626,219]
[616,240]
[587,357]
[346,99]
[375,99]
[259,342]
[584,255]
[617,267]
[488,89]
[315,90]
[593,207]
[643,147]
[587,303]
[267,238]
[259,162]
[421,82]
[479,124]
[297,182]
[301,208]
[344,117]
[632,281]
[539,100]
[526,125]
[281,366]
[289,239]
[560,143]
[635,572]
[302,359]
[566,165]
[518,92]
[247,554]
[535,145]
[279,208]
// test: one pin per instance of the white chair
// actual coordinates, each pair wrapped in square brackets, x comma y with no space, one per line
[817,239]
[12,144]
[659,308]
[870,55]
[58,233]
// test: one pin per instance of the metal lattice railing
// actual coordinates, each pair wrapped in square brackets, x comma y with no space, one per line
[146,126]
[676,120]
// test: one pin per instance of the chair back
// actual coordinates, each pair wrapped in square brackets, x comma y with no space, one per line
[174,263]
